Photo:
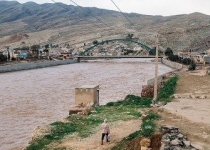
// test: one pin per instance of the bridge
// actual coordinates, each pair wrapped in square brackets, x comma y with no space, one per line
[151,50]
[111,57]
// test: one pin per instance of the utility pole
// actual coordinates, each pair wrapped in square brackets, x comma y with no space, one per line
[156,71]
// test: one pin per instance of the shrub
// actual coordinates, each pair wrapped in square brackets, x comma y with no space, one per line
[95,42]
[169,52]
[133,136]
[132,100]
[186,61]
[148,128]
[168,89]
[153,116]
[192,65]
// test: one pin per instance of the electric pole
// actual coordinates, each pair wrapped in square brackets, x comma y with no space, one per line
[156,71]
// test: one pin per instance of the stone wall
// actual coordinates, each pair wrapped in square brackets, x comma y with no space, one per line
[175,65]
[27,66]
[87,94]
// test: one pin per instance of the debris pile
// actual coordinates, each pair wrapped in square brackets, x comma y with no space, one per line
[172,139]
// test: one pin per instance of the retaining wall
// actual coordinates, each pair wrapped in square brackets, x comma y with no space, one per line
[171,64]
[176,66]
[27,66]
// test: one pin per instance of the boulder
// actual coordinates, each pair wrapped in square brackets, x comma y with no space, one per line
[196,146]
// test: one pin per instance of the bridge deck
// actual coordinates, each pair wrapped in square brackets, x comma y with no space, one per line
[117,57]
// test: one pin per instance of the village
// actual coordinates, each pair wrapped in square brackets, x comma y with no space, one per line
[55,52]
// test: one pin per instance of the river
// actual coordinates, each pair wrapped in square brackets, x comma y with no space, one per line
[33,98]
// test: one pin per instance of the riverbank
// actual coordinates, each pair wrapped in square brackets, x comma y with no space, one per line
[34,65]
[198,132]
[62,133]
[24,65]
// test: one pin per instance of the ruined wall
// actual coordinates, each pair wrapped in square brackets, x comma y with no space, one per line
[86,96]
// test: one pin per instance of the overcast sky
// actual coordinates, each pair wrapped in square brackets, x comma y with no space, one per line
[149,7]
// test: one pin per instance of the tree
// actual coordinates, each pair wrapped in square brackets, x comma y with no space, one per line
[186,61]
[130,35]
[3,58]
[95,42]
[35,49]
[192,65]
[175,58]
[169,52]
[47,46]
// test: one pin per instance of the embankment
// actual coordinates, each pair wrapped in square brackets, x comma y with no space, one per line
[176,66]
[34,65]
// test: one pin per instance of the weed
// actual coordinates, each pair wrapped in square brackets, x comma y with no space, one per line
[168,90]
[153,116]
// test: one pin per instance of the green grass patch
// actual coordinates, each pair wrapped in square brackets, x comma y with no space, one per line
[168,90]
[132,100]
[133,136]
[153,116]
[148,127]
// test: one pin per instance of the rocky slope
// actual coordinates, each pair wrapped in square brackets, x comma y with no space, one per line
[68,24]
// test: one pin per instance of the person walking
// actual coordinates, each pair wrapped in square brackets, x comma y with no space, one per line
[105,131]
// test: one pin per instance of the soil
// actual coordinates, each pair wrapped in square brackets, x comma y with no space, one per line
[119,130]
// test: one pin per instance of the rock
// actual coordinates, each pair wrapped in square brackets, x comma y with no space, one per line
[145,148]
[163,145]
[175,142]
[198,147]
[203,96]
[147,91]
[145,142]
[177,148]
[169,129]
[166,141]
[192,96]
[187,143]
[180,136]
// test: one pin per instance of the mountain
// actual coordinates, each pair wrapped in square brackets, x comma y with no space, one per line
[68,24]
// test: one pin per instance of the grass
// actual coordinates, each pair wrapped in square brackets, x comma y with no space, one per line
[85,125]
[168,90]
[148,127]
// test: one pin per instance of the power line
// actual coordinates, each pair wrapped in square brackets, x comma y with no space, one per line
[124,15]
[91,14]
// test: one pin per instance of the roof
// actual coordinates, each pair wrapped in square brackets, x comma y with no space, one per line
[89,86]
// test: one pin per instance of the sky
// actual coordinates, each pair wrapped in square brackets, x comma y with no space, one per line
[147,7]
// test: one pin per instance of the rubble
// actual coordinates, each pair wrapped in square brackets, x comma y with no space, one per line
[173,139]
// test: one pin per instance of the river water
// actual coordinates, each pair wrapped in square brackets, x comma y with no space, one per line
[37,97]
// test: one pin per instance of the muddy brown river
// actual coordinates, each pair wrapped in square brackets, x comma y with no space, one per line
[37,97]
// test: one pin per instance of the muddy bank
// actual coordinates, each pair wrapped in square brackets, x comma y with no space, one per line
[34,65]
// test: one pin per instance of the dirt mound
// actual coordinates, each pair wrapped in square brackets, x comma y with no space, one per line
[15,38]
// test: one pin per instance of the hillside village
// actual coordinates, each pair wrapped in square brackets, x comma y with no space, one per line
[52,52]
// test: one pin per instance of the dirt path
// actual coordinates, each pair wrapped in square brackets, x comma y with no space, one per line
[190,109]
[197,133]
[119,130]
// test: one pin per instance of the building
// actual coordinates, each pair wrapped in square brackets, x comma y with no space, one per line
[87,94]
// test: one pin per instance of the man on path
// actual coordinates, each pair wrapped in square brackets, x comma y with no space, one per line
[105,131]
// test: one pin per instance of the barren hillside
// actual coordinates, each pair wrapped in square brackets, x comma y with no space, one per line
[68,24]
